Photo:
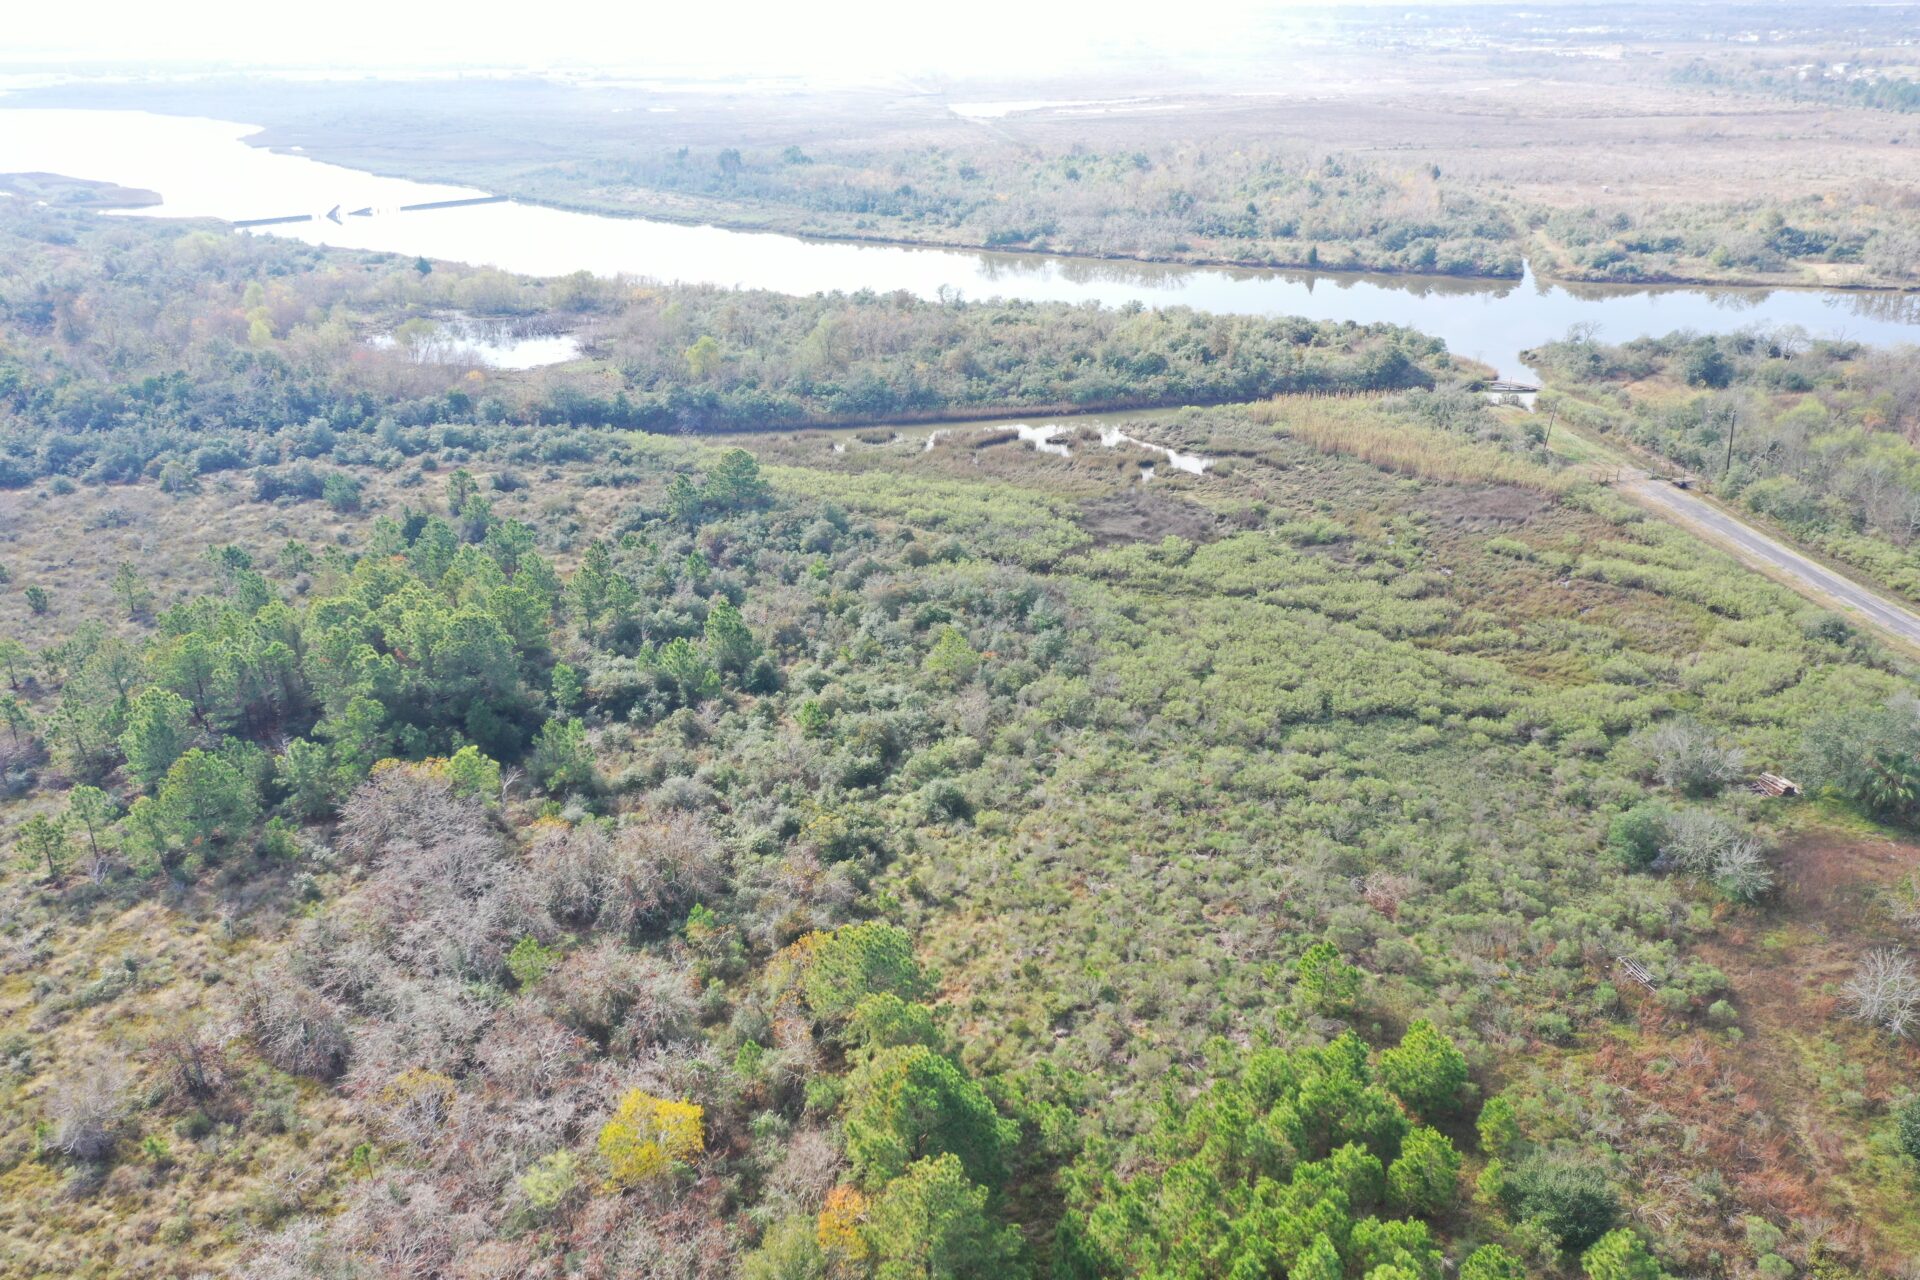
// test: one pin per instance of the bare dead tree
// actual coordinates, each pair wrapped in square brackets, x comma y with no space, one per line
[1740,870]
[88,1111]
[294,1028]
[191,1058]
[1686,757]
[1885,990]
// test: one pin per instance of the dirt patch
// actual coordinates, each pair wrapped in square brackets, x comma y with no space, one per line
[1144,515]
[1482,506]
[1783,966]
[1773,1160]
[1828,876]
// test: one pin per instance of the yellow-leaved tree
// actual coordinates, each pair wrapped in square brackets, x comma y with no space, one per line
[647,1134]
[840,1221]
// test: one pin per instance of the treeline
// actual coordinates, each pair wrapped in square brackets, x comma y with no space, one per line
[1820,432]
[196,352]
[717,360]
[1255,206]
[1770,238]
[1855,85]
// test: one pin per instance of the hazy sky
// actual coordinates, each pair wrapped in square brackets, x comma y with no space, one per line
[824,38]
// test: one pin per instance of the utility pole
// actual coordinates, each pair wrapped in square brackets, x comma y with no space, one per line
[1547,440]
[1732,421]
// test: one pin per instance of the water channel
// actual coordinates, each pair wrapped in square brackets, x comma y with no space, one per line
[205,168]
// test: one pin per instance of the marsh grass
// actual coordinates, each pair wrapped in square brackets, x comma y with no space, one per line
[1357,429]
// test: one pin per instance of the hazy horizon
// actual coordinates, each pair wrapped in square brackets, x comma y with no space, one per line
[862,39]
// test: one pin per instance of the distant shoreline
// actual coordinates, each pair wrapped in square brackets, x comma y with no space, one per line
[65,192]
[783,221]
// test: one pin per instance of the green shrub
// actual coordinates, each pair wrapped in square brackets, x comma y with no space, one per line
[859,960]
[1635,837]
[340,491]
[529,962]
[1568,1196]
[1907,1125]
[550,1180]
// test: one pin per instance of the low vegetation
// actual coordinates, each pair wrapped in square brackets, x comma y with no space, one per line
[178,353]
[1868,236]
[1812,435]
[565,851]
[1259,206]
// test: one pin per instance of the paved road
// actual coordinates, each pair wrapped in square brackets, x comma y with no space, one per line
[1777,558]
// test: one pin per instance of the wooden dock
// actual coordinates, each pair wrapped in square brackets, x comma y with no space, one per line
[366,211]
[452,204]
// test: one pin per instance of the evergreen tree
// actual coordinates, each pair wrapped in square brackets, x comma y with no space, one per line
[135,596]
[93,812]
[197,668]
[1491,1262]
[206,801]
[1320,1261]
[15,660]
[1426,1071]
[1621,1255]
[42,841]
[735,483]
[1327,981]
[685,672]
[461,488]
[730,645]
[1907,1123]
[1424,1179]
[562,760]
[932,1223]
[159,729]
[951,662]
[1499,1126]
[472,773]
[17,716]
[305,771]
[908,1103]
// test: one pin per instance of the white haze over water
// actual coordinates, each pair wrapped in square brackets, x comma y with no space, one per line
[828,41]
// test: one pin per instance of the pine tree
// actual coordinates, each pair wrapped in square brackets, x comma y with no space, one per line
[1426,1071]
[43,840]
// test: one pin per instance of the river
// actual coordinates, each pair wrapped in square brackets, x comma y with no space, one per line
[205,168]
